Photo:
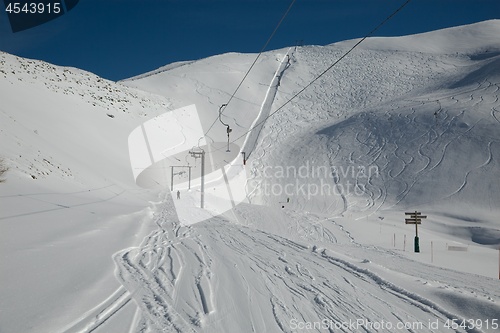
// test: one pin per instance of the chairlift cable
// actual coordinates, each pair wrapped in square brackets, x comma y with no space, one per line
[325,71]
[254,62]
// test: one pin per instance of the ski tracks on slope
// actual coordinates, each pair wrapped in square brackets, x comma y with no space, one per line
[433,126]
[281,282]
[216,276]
[169,277]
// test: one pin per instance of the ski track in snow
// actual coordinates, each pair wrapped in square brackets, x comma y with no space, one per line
[430,145]
[197,279]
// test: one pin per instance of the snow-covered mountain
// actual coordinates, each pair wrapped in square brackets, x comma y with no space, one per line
[401,124]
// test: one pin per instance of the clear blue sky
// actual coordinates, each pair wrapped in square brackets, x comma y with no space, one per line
[117,39]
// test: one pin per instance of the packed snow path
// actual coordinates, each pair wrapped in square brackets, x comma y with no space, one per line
[265,109]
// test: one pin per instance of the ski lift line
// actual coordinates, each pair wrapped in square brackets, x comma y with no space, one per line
[262,49]
[325,71]
[254,62]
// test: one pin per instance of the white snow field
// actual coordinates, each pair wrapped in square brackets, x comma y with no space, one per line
[94,240]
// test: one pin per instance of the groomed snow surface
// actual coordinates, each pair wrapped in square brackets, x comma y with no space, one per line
[317,243]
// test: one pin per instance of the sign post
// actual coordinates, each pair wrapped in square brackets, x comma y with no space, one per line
[416,219]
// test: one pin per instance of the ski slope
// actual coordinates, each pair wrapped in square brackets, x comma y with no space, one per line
[319,242]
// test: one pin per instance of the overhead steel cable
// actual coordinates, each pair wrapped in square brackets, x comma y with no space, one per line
[325,71]
[253,64]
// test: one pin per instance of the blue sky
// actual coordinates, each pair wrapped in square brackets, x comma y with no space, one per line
[117,39]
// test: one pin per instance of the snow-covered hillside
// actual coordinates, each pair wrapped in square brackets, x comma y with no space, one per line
[318,244]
